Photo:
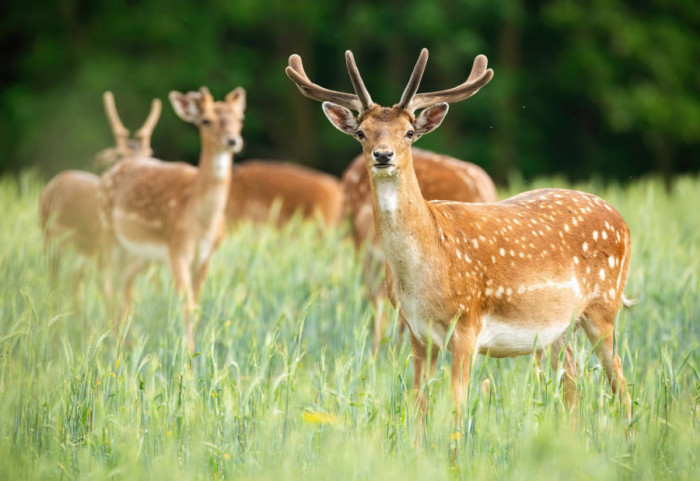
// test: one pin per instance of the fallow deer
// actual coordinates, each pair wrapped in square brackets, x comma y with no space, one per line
[260,187]
[440,177]
[69,207]
[174,212]
[513,275]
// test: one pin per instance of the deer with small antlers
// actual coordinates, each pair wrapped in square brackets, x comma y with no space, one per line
[174,212]
[513,275]
[439,177]
[69,207]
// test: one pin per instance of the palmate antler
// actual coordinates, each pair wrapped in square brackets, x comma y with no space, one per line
[410,100]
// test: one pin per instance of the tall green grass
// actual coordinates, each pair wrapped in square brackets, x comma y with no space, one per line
[285,386]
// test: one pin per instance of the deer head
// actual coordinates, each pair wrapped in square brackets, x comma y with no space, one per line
[219,123]
[386,134]
[139,146]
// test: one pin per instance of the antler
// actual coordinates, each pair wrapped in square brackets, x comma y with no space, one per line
[146,130]
[121,134]
[413,83]
[296,73]
[478,77]
[357,83]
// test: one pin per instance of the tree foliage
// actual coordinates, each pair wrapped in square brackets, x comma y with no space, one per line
[580,87]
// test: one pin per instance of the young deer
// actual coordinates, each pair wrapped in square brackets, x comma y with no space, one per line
[69,207]
[172,211]
[258,187]
[513,274]
[439,177]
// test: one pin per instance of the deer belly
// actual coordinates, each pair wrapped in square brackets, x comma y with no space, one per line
[505,338]
[145,250]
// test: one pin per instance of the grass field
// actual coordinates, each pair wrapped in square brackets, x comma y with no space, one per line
[285,386]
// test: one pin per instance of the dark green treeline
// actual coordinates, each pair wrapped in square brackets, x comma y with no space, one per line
[605,88]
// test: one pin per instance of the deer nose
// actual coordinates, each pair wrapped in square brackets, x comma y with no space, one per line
[383,155]
[231,142]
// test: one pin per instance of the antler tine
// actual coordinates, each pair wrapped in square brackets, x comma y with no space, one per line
[296,73]
[121,134]
[357,83]
[146,131]
[413,83]
[478,77]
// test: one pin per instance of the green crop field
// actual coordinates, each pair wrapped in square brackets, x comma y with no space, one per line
[285,386]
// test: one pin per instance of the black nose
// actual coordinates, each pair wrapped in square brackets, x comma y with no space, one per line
[383,156]
[231,142]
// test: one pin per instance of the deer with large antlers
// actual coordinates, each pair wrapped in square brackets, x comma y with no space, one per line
[69,207]
[439,177]
[174,212]
[513,276]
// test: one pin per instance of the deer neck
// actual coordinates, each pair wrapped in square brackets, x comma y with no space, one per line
[215,165]
[403,220]
[212,184]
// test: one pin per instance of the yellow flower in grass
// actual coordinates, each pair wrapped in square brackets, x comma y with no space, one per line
[319,418]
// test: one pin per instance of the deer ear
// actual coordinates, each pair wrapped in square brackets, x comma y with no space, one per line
[341,118]
[187,106]
[431,118]
[237,97]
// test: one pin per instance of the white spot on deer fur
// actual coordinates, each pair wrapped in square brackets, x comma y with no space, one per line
[459,254]
[488,291]
[604,234]
[475,243]
[585,246]
[502,251]
[611,261]
[521,255]
[595,235]
[612,293]
[499,291]
[493,259]
[462,306]
[602,274]
[575,260]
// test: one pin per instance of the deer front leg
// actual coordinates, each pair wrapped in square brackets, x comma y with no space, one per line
[420,356]
[570,369]
[463,350]
[183,284]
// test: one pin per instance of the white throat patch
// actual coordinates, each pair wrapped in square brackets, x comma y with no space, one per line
[387,196]
[221,164]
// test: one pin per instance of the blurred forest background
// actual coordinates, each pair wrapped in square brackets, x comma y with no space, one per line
[604,88]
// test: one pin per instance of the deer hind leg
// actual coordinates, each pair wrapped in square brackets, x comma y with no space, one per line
[600,330]
[180,266]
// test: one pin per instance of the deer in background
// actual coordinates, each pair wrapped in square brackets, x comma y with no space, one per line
[69,207]
[439,177]
[513,275]
[174,212]
[260,187]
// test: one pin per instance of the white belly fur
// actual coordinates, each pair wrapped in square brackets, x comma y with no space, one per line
[500,338]
[149,251]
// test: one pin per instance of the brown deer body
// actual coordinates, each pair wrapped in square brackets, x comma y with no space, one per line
[439,177]
[258,187]
[513,275]
[69,204]
[174,212]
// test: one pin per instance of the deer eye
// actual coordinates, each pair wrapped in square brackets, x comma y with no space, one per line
[360,135]
[206,122]
[410,134]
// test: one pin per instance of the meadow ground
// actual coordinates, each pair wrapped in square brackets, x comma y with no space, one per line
[285,386]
